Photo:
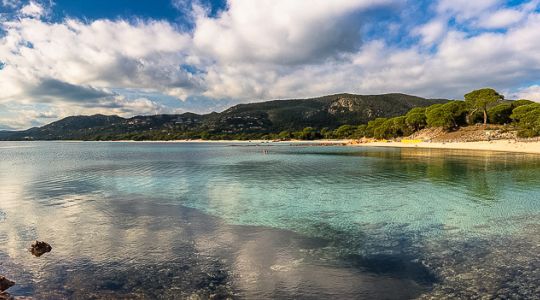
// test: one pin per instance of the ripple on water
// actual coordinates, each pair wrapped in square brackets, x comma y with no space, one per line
[310,222]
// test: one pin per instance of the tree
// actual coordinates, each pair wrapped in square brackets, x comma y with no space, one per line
[521,102]
[344,131]
[285,135]
[527,118]
[416,118]
[308,133]
[360,131]
[327,133]
[481,100]
[448,115]
[401,127]
[384,130]
[370,129]
[500,114]
[392,128]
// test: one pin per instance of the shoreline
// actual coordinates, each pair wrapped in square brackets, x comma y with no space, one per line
[512,146]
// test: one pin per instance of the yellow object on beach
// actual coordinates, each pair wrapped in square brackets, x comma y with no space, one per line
[411,141]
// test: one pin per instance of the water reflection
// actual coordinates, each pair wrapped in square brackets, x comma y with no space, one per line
[484,174]
[299,222]
[136,248]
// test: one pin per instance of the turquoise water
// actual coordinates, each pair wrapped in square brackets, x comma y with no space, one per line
[264,221]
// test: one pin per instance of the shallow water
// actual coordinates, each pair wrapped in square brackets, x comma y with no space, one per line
[166,220]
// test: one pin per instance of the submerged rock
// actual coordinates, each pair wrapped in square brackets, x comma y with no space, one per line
[5,283]
[39,248]
[5,296]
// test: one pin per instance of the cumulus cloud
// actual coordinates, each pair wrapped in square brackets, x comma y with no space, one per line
[432,31]
[52,89]
[260,50]
[465,9]
[17,116]
[502,18]
[530,93]
[460,62]
[282,31]
[32,9]
[74,61]
[101,53]
[10,3]
[486,14]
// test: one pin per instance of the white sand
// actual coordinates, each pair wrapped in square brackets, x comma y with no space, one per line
[498,145]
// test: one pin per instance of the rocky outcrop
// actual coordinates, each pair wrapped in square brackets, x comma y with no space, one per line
[39,248]
[465,134]
[5,283]
[342,105]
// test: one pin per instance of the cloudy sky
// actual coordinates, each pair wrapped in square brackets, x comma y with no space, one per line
[65,57]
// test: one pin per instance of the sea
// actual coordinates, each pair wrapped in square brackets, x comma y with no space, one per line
[151,220]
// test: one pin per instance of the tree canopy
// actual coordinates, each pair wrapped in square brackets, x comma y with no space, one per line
[449,115]
[527,118]
[481,100]
[416,118]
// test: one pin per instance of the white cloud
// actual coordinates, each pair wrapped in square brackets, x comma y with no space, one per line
[10,3]
[32,9]
[260,50]
[530,93]
[431,32]
[282,31]
[458,64]
[502,18]
[17,116]
[465,9]
[73,64]
[485,14]
[101,54]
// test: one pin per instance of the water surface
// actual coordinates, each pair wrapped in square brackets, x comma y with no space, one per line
[170,220]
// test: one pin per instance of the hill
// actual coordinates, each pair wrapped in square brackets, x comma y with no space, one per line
[240,121]
[5,134]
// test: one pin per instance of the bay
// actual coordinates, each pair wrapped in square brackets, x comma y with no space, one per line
[275,220]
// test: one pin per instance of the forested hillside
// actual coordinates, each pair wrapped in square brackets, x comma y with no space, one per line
[300,118]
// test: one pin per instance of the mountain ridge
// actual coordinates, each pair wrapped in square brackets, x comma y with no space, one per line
[257,118]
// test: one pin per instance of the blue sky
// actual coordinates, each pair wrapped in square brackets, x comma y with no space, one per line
[125,57]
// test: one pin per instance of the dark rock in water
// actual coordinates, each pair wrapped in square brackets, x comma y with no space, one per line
[5,296]
[39,248]
[5,283]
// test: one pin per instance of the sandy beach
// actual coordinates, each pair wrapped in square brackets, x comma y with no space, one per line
[532,147]
[497,145]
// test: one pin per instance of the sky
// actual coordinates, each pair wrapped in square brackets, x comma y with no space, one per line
[63,57]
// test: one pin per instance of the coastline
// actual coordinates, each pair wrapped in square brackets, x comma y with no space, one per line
[496,145]
[513,146]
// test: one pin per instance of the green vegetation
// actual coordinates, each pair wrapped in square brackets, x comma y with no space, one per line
[482,100]
[342,116]
[449,115]
[527,119]
[521,115]
[485,105]
[280,119]
[416,118]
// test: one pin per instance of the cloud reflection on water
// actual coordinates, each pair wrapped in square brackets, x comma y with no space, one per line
[116,216]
